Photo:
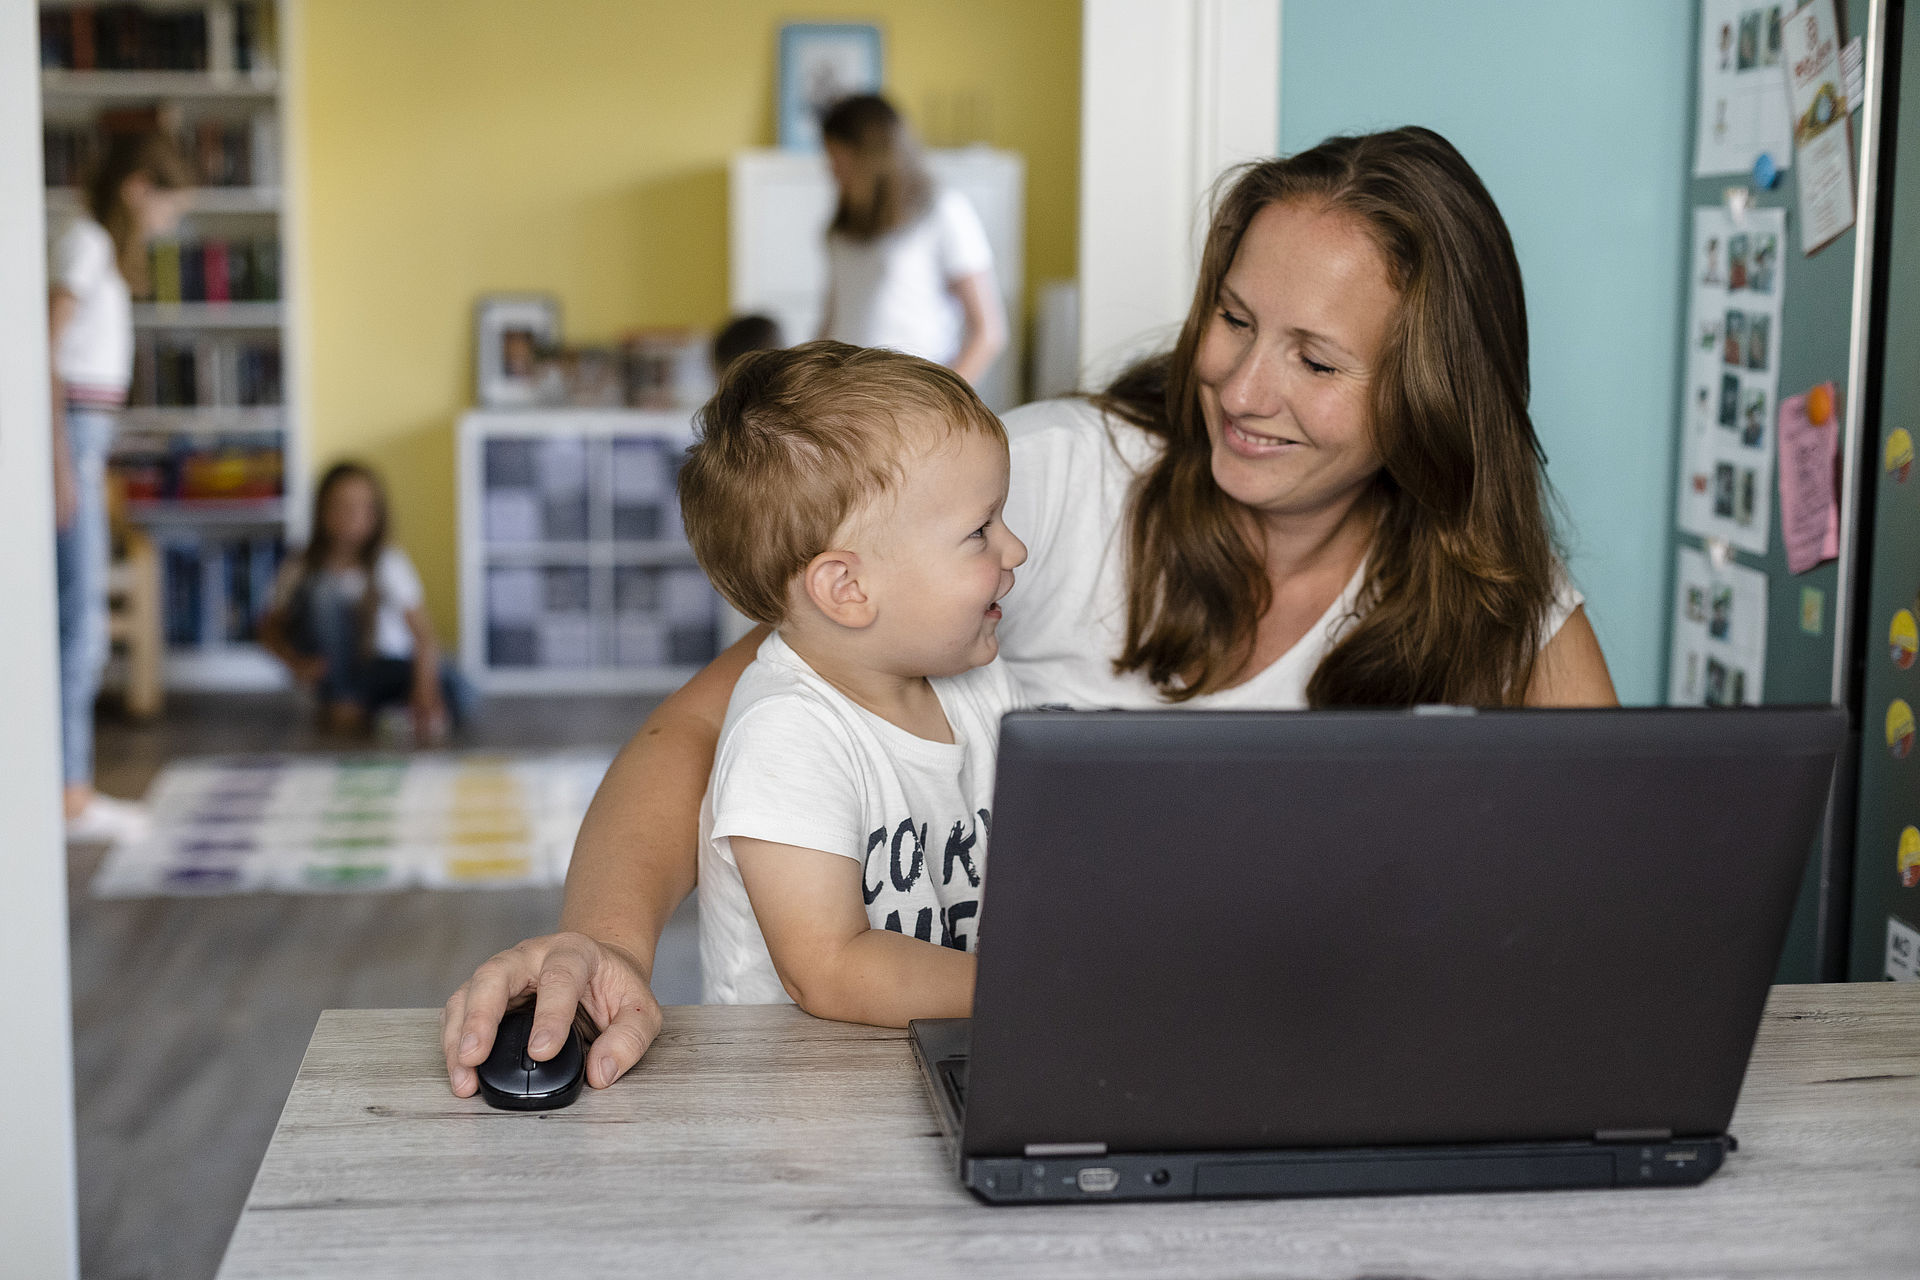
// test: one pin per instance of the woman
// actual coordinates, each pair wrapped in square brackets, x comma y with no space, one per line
[908,265]
[98,261]
[1328,494]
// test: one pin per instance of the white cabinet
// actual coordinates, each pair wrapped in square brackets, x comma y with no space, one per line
[779,204]
[575,573]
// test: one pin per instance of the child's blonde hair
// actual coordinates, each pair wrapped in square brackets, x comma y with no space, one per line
[793,442]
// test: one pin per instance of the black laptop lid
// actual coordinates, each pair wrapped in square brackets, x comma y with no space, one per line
[1226,930]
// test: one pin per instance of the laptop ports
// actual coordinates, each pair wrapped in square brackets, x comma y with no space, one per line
[1098,1181]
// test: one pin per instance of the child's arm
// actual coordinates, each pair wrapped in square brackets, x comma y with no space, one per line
[429,709]
[829,959]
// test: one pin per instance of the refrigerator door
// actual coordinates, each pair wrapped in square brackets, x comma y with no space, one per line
[1823,333]
[1886,873]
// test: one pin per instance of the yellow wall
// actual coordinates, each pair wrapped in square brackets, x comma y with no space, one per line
[452,148]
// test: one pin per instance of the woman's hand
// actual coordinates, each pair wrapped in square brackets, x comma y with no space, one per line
[66,497]
[566,971]
[308,669]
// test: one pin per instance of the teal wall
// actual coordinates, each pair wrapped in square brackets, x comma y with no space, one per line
[1574,116]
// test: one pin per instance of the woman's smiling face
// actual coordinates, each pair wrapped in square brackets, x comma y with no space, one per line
[1287,360]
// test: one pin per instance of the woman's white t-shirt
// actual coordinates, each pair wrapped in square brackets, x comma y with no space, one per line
[799,763]
[400,592]
[94,355]
[1072,474]
[896,290]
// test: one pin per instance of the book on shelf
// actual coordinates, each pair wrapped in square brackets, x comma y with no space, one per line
[205,371]
[223,153]
[221,36]
[223,270]
[160,467]
[215,590]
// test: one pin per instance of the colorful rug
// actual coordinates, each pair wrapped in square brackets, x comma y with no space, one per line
[329,824]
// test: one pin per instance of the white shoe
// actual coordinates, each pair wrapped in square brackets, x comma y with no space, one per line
[106,820]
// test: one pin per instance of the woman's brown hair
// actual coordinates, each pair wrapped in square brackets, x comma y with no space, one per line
[884,146]
[313,561]
[147,153]
[1462,566]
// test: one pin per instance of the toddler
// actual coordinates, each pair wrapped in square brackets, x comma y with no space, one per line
[851,498]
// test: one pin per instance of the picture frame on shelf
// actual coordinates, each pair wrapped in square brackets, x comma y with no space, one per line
[511,332]
[821,63]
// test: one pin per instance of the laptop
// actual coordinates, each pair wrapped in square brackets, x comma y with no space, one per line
[1342,953]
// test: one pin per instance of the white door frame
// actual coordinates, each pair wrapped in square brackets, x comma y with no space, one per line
[1172,92]
[37,1195]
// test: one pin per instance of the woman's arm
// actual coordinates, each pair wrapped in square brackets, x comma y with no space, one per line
[986,324]
[1571,670]
[635,860]
[61,305]
[831,961]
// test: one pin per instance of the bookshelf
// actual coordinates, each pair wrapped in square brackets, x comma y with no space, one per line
[207,448]
[575,573]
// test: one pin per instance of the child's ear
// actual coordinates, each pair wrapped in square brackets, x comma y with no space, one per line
[831,581]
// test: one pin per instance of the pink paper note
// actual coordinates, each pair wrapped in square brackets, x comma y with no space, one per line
[1809,515]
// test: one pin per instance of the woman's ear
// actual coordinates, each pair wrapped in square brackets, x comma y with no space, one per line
[832,582]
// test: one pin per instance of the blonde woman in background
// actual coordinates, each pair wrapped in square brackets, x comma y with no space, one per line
[908,264]
[97,260]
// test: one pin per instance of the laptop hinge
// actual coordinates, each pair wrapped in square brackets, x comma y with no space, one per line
[1632,1135]
[1042,1150]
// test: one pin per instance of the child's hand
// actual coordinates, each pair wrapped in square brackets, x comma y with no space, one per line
[429,718]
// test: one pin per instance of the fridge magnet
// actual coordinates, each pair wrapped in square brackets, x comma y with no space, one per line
[1813,610]
[821,63]
[1719,654]
[1903,951]
[1737,293]
[1899,454]
[1742,107]
[510,333]
[1907,858]
[1903,638]
[1899,728]
[1822,125]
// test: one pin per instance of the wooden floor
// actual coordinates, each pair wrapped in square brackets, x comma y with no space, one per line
[190,1014]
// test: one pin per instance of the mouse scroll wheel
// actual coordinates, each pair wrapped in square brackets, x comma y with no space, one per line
[527,1063]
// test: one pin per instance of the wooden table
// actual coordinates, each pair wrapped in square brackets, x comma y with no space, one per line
[757,1141]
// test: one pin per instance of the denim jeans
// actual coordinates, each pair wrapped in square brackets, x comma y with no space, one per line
[326,624]
[81,555]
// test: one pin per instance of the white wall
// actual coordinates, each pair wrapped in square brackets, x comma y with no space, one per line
[36,1123]
[1171,93]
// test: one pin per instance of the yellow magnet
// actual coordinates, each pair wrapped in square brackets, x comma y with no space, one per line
[1909,858]
[1899,454]
[1899,728]
[1904,639]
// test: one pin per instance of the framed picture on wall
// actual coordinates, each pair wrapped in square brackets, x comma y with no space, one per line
[821,63]
[511,334]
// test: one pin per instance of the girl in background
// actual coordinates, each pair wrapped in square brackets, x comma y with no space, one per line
[96,263]
[908,264]
[348,618]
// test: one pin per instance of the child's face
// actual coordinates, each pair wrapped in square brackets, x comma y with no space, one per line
[936,558]
[350,514]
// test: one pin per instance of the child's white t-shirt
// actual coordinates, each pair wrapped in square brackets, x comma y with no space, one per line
[896,290]
[801,764]
[400,592]
[94,356]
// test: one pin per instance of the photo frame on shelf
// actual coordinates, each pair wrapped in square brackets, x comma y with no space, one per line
[821,63]
[511,331]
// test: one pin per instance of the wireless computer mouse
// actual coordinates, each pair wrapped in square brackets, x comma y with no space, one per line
[512,1081]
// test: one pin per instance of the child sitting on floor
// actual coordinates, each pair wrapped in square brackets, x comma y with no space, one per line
[348,619]
[851,498]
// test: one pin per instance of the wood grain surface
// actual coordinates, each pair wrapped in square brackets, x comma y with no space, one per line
[759,1141]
